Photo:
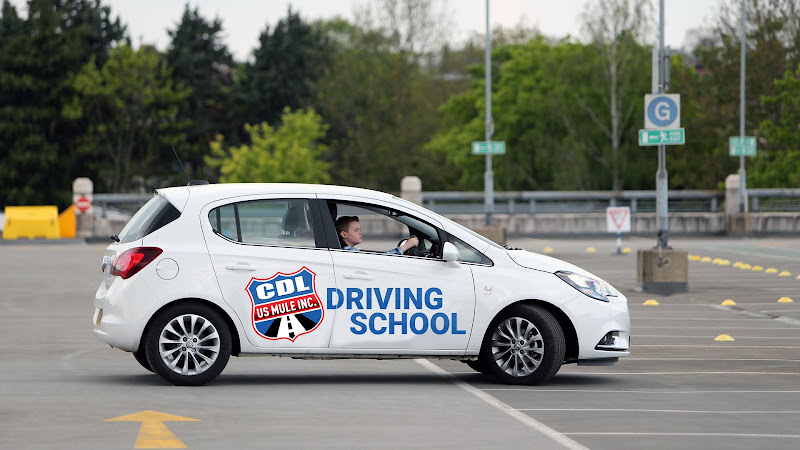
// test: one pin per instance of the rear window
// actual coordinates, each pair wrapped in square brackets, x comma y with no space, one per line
[154,214]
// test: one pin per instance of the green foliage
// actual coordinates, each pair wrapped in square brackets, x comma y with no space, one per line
[289,60]
[38,56]
[289,153]
[131,107]
[201,61]
[778,164]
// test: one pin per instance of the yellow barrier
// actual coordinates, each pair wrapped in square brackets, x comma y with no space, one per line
[31,222]
[67,223]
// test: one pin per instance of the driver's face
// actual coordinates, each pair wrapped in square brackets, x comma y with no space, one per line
[352,236]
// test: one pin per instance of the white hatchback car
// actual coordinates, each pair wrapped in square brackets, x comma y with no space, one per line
[204,272]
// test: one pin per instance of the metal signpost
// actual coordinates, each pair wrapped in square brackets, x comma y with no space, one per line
[488,176]
[742,172]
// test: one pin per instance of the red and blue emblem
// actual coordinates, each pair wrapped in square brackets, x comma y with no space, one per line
[286,305]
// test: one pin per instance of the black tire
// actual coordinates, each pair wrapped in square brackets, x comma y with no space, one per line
[478,366]
[141,358]
[546,348]
[202,344]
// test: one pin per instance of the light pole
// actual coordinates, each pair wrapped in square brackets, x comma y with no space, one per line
[488,176]
[742,172]
[662,184]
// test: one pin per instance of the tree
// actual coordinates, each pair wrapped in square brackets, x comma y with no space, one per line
[37,57]
[615,28]
[287,63]
[291,152]
[201,61]
[131,106]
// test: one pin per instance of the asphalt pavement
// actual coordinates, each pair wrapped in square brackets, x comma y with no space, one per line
[701,374]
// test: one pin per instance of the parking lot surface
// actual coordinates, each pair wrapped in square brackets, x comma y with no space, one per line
[701,374]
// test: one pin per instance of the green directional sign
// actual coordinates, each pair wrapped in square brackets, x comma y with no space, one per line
[742,146]
[662,137]
[488,148]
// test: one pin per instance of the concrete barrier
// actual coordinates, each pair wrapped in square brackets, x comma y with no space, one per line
[31,222]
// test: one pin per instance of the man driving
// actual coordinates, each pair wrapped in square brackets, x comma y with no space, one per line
[349,230]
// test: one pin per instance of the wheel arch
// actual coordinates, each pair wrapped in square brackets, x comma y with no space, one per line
[235,342]
[570,335]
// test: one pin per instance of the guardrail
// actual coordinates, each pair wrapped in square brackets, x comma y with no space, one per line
[538,202]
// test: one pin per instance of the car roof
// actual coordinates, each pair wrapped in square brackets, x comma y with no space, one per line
[210,192]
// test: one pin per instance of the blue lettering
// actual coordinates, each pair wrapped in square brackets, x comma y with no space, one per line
[338,304]
[455,325]
[369,298]
[372,328]
[362,328]
[445,325]
[383,303]
[424,327]
[397,297]
[435,302]
[402,322]
[409,298]
[354,296]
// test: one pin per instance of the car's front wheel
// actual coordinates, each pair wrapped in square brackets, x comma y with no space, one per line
[523,345]
[188,344]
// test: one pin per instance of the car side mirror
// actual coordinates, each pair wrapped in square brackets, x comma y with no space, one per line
[449,252]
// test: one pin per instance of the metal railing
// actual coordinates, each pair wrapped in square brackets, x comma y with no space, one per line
[540,202]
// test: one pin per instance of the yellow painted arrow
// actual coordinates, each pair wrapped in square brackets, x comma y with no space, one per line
[153,433]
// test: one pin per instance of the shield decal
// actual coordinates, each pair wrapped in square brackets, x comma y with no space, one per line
[285,305]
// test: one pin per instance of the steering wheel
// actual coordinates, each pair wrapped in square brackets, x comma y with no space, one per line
[415,251]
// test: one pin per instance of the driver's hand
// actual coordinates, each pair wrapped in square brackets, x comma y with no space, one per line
[410,242]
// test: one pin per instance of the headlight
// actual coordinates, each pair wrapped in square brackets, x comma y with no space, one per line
[597,289]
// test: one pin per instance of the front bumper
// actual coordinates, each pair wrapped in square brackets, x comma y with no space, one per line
[603,328]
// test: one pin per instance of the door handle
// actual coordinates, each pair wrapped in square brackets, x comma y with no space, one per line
[240,266]
[359,275]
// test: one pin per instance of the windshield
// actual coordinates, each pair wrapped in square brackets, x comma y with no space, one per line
[457,225]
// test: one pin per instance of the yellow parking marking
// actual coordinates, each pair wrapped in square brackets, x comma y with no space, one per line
[548,250]
[651,302]
[785,273]
[771,270]
[694,258]
[725,262]
[626,250]
[705,259]
[590,249]
[716,261]
[724,337]
[785,300]
[153,433]
[738,264]
[728,302]
[745,267]
[798,277]
[757,269]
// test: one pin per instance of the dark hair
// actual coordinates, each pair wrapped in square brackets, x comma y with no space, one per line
[342,223]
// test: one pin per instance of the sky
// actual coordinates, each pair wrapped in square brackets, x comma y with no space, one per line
[244,20]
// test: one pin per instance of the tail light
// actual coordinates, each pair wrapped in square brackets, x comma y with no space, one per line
[132,261]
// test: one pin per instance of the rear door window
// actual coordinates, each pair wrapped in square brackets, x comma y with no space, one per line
[283,222]
[155,214]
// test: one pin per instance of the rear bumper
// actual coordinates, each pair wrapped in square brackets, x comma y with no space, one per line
[122,310]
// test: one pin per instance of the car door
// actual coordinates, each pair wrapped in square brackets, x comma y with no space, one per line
[395,302]
[272,266]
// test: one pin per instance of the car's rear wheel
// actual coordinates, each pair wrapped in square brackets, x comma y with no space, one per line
[523,345]
[188,344]
[141,358]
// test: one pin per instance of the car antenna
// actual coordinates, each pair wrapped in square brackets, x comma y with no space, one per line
[191,181]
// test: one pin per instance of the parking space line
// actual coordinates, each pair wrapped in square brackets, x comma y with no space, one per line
[684,373]
[626,433]
[488,398]
[642,391]
[721,326]
[711,359]
[716,346]
[700,318]
[680,411]
[711,337]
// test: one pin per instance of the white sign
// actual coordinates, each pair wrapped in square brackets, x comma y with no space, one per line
[662,111]
[618,219]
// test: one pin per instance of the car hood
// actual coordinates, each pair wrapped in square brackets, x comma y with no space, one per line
[545,263]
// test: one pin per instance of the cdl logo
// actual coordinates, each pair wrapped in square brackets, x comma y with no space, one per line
[285,306]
